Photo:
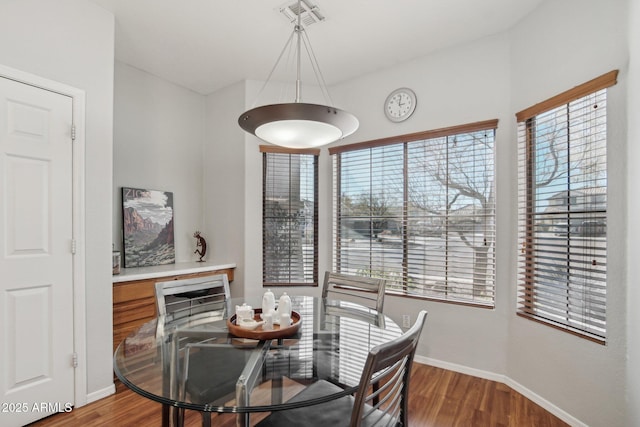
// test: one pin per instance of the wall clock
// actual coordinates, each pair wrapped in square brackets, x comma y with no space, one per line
[400,104]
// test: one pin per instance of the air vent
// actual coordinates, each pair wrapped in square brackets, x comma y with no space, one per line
[309,13]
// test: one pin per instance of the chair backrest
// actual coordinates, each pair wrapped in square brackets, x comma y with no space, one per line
[187,296]
[368,290]
[382,395]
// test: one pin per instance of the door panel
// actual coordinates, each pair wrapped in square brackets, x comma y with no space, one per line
[28,360]
[27,206]
[36,290]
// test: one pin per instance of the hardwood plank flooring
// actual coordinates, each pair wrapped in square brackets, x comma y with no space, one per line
[438,398]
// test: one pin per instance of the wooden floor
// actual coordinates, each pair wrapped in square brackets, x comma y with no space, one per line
[438,398]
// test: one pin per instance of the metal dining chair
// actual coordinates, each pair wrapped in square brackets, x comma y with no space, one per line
[365,290]
[181,298]
[382,396]
[178,300]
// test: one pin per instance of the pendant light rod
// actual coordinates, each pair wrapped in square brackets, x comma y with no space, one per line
[298,30]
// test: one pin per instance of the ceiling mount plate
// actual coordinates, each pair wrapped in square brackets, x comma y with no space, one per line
[309,13]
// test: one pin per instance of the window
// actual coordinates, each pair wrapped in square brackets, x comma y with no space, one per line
[289,216]
[419,211]
[562,200]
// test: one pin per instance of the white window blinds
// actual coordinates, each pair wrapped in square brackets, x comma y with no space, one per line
[419,211]
[289,217]
[562,200]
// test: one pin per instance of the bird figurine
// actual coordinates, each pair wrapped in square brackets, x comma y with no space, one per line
[202,244]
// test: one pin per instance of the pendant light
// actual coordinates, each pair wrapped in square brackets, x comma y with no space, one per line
[298,124]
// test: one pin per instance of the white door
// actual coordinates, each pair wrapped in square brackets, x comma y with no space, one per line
[36,260]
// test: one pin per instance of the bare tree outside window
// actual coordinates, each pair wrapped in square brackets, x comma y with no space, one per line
[451,187]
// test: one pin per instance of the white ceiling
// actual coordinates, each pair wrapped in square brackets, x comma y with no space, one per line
[205,45]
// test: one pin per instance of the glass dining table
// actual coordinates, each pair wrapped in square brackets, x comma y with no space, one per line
[159,360]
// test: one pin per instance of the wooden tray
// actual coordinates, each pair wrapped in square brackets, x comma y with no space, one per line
[260,334]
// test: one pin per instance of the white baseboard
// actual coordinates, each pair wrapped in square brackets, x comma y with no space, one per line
[462,369]
[564,416]
[548,406]
[97,395]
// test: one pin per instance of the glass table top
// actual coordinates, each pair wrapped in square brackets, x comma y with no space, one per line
[193,362]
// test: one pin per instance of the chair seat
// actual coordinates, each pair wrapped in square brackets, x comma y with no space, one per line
[383,391]
[335,413]
[225,365]
[177,299]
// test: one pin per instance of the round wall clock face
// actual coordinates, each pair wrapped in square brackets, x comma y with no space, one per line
[400,104]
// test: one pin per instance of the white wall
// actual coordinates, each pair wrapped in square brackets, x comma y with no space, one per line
[633,225]
[224,181]
[253,193]
[560,45]
[159,131]
[72,42]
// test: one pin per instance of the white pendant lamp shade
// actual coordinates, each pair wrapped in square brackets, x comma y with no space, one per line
[298,125]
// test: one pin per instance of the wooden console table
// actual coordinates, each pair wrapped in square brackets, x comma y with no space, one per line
[134,301]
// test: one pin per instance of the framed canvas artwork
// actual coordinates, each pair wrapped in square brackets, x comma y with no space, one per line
[147,219]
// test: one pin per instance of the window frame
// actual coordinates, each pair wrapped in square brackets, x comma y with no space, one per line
[266,151]
[527,288]
[404,140]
